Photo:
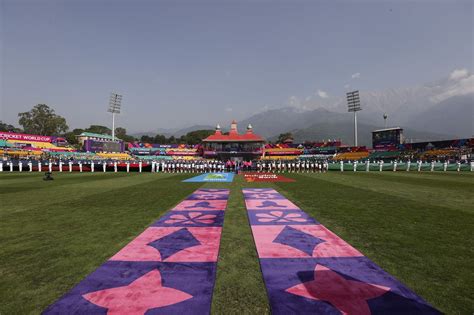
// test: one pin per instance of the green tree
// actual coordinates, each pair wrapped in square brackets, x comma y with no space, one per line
[103,130]
[8,127]
[160,139]
[121,133]
[42,120]
[71,136]
[195,137]
[284,136]
[146,138]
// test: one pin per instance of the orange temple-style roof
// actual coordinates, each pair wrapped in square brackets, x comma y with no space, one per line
[234,135]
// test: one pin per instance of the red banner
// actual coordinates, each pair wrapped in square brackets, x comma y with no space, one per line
[283,152]
[24,137]
[181,152]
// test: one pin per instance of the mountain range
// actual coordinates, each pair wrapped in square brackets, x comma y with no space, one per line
[437,110]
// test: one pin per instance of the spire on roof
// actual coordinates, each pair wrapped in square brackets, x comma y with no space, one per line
[218,130]
[233,127]
[249,129]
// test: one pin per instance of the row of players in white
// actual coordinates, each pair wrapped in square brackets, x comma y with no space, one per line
[293,166]
[190,167]
[167,167]
[395,166]
[185,167]
[260,166]
[220,167]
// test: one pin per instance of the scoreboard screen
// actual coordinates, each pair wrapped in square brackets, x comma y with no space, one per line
[99,146]
[386,138]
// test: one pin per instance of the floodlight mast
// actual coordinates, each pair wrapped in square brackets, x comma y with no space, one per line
[115,103]
[353,105]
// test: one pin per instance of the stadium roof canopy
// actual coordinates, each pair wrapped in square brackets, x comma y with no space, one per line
[388,129]
[234,135]
[96,135]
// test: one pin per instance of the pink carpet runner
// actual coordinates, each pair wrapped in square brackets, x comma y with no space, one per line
[307,269]
[168,269]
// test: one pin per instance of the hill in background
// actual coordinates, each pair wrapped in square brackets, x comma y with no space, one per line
[437,110]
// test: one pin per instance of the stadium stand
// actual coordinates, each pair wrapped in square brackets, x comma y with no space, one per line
[17,146]
[12,153]
[282,151]
[5,144]
[114,155]
[38,145]
[154,157]
[74,155]
[179,150]
[382,155]
[439,153]
[280,157]
[351,156]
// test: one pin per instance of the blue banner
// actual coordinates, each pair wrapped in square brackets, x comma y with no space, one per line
[212,177]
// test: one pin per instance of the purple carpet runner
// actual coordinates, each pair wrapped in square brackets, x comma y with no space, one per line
[307,269]
[168,269]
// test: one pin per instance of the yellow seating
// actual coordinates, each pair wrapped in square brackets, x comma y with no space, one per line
[114,155]
[40,145]
[23,153]
[35,144]
[186,157]
[351,156]
[439,152]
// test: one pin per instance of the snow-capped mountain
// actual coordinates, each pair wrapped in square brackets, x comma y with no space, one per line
[433,111]
[417,107]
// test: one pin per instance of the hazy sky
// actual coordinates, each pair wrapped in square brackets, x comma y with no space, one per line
[181,63]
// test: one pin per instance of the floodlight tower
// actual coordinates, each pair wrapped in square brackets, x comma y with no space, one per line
[115,103]
[353,105]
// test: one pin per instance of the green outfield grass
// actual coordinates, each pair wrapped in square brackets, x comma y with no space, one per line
[417,226]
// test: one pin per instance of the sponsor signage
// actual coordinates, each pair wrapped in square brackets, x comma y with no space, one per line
[24,137]
[164,146]
[266,177]
[142,152]
[182,152]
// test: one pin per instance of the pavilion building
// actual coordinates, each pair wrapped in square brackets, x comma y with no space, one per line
[232,145]
[94,142]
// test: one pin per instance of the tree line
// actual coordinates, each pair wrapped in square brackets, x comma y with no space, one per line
[43,120]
